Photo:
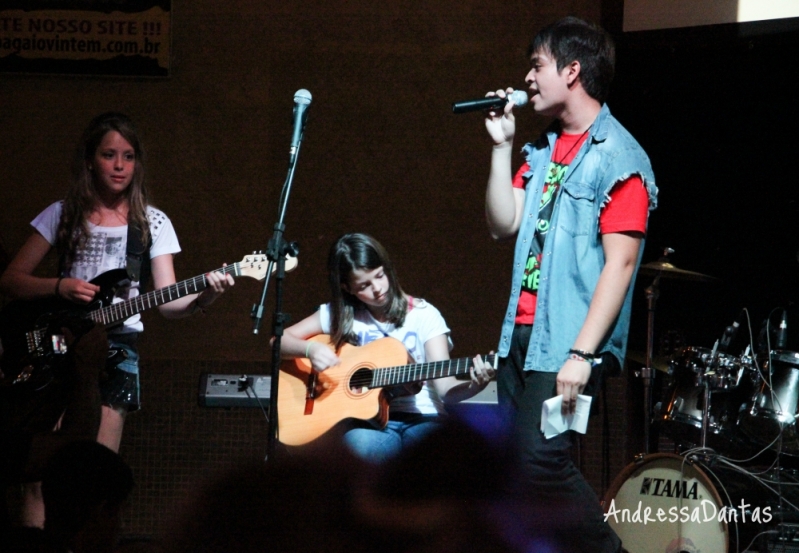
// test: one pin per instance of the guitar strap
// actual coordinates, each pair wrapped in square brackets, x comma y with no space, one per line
[138,259]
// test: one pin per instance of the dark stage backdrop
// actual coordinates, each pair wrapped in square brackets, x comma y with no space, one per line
[717,117]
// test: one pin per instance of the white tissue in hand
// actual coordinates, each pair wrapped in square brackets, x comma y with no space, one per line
[553,422]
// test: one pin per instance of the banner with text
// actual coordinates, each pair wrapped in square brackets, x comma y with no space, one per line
[86,38]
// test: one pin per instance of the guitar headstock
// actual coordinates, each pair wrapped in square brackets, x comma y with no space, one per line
[255,265]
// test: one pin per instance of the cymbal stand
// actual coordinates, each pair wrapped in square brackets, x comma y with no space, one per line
[712,364]
[652,293]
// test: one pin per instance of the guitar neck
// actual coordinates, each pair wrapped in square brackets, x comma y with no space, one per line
[125,309]
[406,374]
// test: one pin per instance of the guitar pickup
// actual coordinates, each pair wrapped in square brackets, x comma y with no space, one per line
[59,344]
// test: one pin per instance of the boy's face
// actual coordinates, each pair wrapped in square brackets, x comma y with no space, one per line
[548,87]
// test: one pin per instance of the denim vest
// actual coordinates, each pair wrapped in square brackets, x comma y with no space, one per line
[573,257]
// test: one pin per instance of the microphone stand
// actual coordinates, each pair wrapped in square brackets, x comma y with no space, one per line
[276,252]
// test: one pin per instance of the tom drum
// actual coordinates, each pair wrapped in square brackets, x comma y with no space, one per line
[730,385]
[773,409]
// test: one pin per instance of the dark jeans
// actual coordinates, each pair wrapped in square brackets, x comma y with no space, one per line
[559,510]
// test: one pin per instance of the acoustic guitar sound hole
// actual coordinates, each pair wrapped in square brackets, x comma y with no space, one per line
[360,381]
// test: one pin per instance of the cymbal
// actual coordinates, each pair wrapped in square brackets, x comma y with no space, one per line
[667,270]
[659,363]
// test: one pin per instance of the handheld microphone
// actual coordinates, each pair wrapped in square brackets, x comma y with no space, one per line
[302,99]
[782,331]
[519,98]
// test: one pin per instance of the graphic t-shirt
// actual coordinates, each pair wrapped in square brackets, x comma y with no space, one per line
[627,211]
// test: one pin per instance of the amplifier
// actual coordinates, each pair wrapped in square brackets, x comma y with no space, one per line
[234,390]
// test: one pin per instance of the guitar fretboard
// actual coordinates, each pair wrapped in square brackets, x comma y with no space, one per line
[389,376]
[125,309]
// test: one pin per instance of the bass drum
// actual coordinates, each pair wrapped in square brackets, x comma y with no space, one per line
[663,503]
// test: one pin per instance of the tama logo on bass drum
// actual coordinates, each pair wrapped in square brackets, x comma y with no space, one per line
[664,487]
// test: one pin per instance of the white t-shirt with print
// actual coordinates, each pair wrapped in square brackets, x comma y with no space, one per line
[106,249]
[422,323]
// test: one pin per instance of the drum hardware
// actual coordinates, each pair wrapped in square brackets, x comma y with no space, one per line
[662,268]
[658,363]
[652,294]
[769,418]
[705,411]
[706,393]
[719,379]
[702,405]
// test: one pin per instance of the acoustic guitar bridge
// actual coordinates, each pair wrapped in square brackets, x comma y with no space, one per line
[310,392]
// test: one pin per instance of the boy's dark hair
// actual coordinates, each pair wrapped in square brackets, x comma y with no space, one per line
[571,39]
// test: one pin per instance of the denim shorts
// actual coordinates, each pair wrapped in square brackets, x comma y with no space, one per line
[119,385]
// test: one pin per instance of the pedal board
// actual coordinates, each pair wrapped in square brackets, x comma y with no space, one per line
[234,390]
[784,538]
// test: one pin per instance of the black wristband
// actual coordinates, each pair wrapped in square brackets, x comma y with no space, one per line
[584,354]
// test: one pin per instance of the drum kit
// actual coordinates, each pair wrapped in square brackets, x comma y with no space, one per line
[732,480]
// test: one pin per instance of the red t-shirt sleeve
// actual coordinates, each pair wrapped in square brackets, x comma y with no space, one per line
[518,181]
[628,208]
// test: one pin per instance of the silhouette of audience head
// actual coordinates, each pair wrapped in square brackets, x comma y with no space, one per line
[296,502]
[85,486]
[442,495]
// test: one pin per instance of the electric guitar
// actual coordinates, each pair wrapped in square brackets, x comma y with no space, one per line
[309,403]
[30,331]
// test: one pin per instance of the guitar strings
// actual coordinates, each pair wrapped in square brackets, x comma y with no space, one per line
[386,376]
[123,310]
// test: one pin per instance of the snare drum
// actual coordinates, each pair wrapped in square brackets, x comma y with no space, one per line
[730,381]
[662,503]
[774,406]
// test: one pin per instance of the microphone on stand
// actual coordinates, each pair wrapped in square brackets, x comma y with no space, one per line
[302,99]
[519,98]
[782,331]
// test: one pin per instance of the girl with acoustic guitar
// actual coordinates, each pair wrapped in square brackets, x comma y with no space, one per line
[368,304]
[89,232]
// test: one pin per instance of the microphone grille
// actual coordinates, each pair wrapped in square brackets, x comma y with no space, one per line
[303,97]
[519,97]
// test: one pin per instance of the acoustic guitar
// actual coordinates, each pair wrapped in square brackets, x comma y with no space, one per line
[310,403]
